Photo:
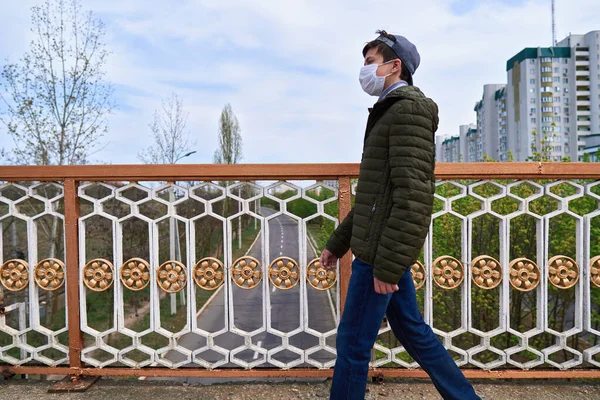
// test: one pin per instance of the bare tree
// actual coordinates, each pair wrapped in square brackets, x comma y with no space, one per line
[230,139]
[171,142]
[171,138]
[54,102]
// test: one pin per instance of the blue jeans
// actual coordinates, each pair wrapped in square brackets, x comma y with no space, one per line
[358,330]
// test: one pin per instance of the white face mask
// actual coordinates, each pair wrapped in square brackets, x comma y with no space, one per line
[371,82]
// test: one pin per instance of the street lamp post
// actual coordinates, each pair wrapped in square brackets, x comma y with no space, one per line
[175,248]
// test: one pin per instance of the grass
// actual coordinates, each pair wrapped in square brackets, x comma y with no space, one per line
[248,237]
[319,234]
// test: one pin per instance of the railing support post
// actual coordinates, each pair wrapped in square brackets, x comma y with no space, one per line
[345,204]
[72,265]
[75,382]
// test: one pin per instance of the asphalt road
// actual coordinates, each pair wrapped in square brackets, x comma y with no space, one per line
[248,306]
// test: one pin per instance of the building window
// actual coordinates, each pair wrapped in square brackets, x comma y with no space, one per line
[533,121]
[565,80]
[566,100]
[546,60]
[566,60]
[557,109]
[532,90]
[557,89]
[566,90]
[532,71]
[557,99]
[532,100]
[557,119]
[557,70]
[546,99]
[566,120]
[566,110]
[566,70]
[532,61]
[557,79]
[557,129]
[532,111]
[532,81]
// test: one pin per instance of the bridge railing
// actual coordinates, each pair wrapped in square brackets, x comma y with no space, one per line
[212,270]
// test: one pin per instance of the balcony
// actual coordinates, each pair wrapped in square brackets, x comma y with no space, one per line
[582,63]
[584,103]
[583,93]
[582,73]
[184,269]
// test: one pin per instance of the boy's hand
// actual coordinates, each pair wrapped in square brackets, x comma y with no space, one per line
[384,288]
[328,260]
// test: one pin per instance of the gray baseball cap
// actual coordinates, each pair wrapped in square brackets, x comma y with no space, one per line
[406,52]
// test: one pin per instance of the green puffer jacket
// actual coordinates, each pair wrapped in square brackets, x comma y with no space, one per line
[394,197]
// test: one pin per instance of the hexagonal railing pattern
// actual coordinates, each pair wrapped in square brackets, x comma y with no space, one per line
[227,275]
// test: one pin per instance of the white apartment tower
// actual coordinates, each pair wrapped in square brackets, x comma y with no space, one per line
[487,137]
[439,147]
[584,86]
[468,143]
[552,96]
[455,148]
[500,100]
[450,149]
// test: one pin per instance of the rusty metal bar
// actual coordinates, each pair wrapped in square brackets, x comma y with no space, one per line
[296,373]
[345,205]
[179,172]
[72,266]
[510,170]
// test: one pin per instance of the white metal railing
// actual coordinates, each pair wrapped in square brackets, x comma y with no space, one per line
[509,275]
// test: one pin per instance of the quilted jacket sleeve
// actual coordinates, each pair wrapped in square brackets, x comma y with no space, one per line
[339,242]
[411,160]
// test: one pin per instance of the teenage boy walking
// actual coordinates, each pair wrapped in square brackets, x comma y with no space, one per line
[387,227]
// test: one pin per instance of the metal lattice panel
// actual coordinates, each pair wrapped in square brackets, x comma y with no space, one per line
[33,278]
[225,275]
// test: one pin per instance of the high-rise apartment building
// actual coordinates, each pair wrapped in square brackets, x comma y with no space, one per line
[456,148]
[551,104]
[487,137]
[552,98]
[500,101]
[584,86]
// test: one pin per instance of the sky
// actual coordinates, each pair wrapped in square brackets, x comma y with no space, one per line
[290,68]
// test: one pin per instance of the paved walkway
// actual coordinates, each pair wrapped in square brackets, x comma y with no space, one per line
[125,389]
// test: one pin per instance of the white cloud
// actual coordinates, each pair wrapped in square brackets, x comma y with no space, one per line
[291,67]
